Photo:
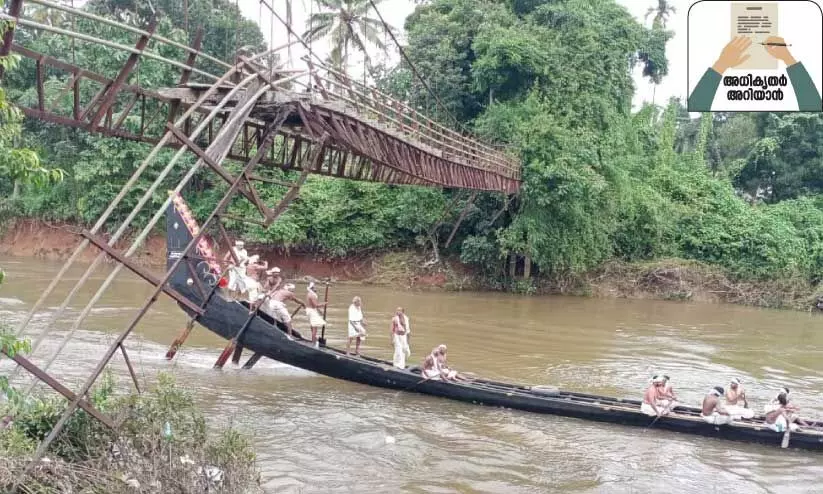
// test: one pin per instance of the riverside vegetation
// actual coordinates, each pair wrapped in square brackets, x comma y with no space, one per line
[614,201]
[161,443]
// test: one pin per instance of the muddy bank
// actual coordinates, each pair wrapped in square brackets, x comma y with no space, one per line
[57,242]
[667,279]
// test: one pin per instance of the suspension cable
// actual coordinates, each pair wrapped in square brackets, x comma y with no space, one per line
[387,28]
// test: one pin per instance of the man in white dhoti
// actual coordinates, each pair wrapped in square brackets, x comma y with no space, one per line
[237,277]
[239,251]
[398,336]
[441,363]
[775,403]
[734,397]
[408,333]
[312,305]
[253,287]
[429,369]
[276,305]
[783,416]
[655,400]
[357,325]
[713,411]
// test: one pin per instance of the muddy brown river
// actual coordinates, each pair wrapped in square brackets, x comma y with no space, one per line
[317,434]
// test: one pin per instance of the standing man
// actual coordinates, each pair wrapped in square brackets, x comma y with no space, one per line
[274,279]
[399,330]
[357,325]
[408,332]
[312,305]
[276,305]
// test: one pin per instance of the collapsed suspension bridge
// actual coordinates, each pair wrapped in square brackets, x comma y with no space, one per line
[307,120]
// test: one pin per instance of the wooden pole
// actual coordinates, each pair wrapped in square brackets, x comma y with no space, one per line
[322,339]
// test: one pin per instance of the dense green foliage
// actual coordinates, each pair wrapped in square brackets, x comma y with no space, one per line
[161,445]
[551,78]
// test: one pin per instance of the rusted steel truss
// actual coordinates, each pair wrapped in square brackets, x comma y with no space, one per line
[359,149]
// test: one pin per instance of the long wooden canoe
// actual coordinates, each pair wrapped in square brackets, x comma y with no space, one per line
[225,317]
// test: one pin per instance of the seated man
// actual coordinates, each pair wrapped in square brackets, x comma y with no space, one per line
[734,396]
[429,369]
[439,355]
[276,305]
[713,411]
[655,401]
[775,403]
[784,416]
[781,418]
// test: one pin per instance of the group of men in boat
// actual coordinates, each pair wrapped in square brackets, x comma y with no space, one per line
[660,399]
[245,280]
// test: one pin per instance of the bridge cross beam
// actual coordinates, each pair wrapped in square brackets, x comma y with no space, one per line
[110,93]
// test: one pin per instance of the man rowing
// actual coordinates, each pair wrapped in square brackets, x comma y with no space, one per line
[735,396]
[668,392]
[775,403]
[713,410]
[276,305]
[783,416]
[655,400]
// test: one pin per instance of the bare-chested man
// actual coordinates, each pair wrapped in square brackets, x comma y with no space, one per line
[313,303]
[775,403]
[784,415]
[440,358]
[430,369]
[713,410]
[735,397]
[668,391]
[655,401]
[274,279]
[276,305]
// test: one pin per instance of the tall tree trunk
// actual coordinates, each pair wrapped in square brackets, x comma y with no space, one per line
[512,265]
[527,267]
[16,191]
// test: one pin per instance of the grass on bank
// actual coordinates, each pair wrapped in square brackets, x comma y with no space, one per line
[161,445]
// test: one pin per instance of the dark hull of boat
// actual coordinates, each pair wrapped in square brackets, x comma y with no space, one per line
[225,318]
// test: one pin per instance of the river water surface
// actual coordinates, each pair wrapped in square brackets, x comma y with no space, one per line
[317,434]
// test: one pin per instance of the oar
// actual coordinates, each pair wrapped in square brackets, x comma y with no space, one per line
[787,434]
[666,409]
[233,343]
[322,339]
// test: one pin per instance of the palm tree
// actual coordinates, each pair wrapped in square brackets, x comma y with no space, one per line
[347,25]
[661,13]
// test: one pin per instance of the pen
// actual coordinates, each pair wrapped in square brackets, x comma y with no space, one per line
[774,44]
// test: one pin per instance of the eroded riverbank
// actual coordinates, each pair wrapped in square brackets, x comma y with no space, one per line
[668,279]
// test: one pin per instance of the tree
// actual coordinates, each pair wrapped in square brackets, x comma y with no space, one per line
[347,25]
[661,13]
[18,165]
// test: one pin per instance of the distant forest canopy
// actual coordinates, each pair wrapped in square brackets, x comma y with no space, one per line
[553,78]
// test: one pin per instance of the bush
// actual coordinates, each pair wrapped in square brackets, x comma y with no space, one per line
[161,445]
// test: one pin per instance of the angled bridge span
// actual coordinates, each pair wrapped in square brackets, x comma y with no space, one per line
[369,135]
